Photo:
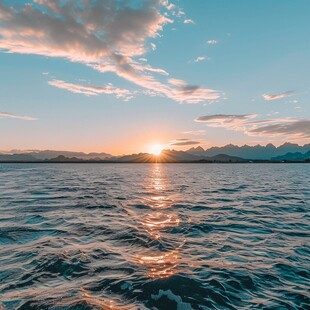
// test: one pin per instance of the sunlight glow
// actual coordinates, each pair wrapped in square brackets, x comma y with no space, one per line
[156,149]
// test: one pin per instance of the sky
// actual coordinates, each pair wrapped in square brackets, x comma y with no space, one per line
[120,76]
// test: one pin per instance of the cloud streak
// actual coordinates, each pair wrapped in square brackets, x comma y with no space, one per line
[195,132]
[9,115]
[294,128]
[269,97]
[108,36]
[228,121]
[92,90]
[183,142]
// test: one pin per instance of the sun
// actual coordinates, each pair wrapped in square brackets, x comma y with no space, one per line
[156,149]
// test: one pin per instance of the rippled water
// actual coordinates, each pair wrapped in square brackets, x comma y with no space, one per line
[154,236]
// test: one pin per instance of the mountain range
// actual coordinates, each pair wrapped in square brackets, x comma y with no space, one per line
[257,152]
[50,154]
[229,153]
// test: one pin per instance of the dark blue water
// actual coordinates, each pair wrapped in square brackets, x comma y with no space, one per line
[154,236]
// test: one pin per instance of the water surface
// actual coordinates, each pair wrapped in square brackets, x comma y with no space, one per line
[154,236]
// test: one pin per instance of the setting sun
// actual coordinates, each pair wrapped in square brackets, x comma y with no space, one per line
[156,149]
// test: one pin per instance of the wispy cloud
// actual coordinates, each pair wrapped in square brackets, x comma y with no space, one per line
[188,21]
[153,46]
[228,121]
[194,132]
[108,36]
[293,128]
[177,82]
[92,90]
[194,94]
[212,42]
[282,95]
[200,58]
[9,115]
[286,127]
[183,142]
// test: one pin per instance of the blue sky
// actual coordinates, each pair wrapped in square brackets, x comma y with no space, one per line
[116,78]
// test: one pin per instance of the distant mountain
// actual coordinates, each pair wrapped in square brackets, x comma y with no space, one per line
[198,151]
[17,157]
[173,156]
[167,156]
[170,156]
[297,156]
[251,152]
[50,154]
[227,158]
[227,154]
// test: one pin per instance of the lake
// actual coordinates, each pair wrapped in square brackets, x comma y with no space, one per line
[154,236]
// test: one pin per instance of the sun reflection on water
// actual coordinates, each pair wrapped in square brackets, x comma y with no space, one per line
[161,265]
[156,222]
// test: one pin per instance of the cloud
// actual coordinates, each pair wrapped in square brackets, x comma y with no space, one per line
[9,115]
[183,142]
[92,90]
[194,94]
[177,82]
[188,21]
[228,121]
[108,36]
[171,6]
[195,132]
[294,128]
[212,42]
[269,97]
[200,58]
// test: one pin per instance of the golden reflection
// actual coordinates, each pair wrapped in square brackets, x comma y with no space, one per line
[161,265]
[157,220]
[102,304]
[154,222]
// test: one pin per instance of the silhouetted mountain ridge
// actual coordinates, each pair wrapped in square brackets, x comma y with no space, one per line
[227,154]
[50,154]
[251,152]
[297,156]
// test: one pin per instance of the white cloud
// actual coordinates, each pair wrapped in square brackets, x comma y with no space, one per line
[188,21]
[200,58]
[212,42]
